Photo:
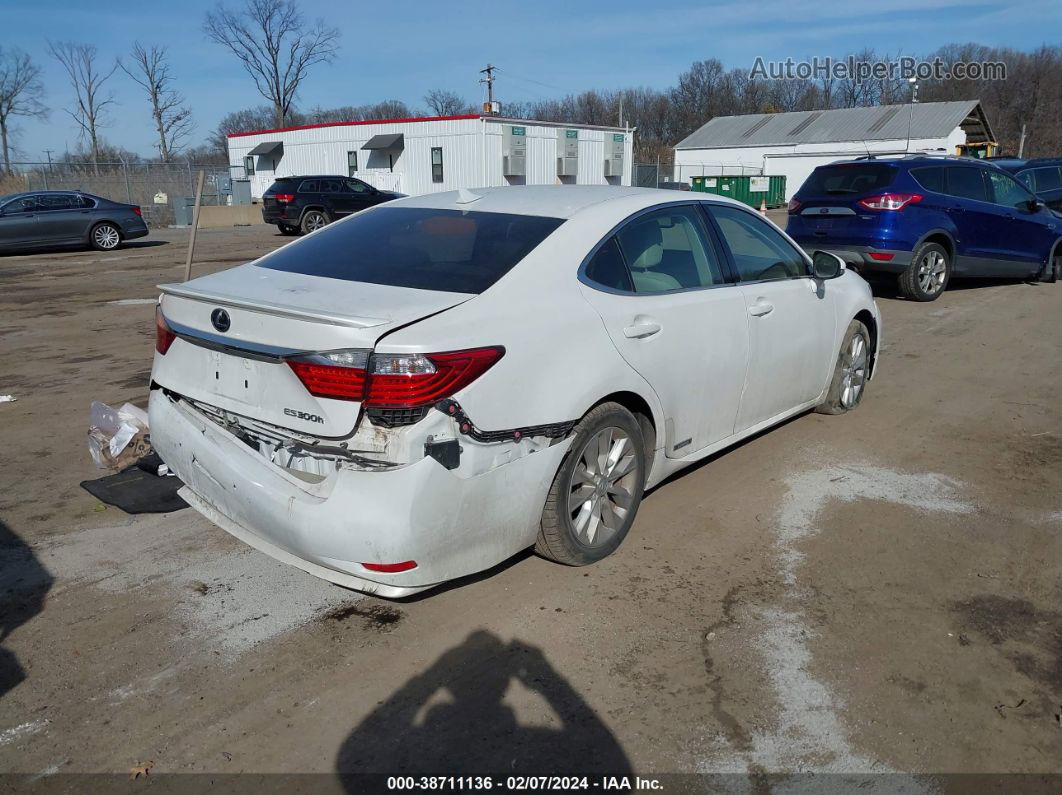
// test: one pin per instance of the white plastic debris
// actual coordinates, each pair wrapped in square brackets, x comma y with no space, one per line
[117,438]
[8,398]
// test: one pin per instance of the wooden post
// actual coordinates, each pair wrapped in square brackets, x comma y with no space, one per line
[195,227]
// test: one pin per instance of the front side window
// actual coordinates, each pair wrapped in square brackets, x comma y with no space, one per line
[417,247]
[436,164]
[1008,191]
[27,204]
[760,253]
[248,166]
[357,186]
[965,182]
[352,163]
[669,250]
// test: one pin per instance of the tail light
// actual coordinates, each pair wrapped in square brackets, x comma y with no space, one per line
[890,201]
[793,206]
[391,568]
[164,335]
[393,380]
[138,211]
[284,198]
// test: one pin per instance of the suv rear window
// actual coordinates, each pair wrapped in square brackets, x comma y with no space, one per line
[418,247]
[848,178]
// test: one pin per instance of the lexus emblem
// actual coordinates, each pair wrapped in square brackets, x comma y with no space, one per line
[220,319]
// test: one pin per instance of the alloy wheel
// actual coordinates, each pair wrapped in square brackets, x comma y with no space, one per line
[601,490]
[105,236]
[314,221]
[932,269]
[853,371]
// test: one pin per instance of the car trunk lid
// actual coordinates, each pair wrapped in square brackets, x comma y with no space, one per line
[236,329]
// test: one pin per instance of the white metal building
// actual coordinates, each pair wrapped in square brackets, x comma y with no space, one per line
[426,155]
[794,144]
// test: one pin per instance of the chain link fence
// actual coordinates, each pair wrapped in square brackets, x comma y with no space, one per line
[156,187]
[669,175]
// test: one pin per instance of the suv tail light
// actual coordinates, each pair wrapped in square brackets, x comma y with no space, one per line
[384,380]
[164,335]
[284,198]
[890,201]
[793,206]
[138,211]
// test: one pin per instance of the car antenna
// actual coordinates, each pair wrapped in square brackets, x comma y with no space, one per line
[465,196]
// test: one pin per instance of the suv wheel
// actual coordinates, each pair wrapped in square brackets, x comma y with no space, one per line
[597,490]
[928,274]
[313,220]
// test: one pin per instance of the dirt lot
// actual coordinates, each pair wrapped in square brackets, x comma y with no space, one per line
[875,592]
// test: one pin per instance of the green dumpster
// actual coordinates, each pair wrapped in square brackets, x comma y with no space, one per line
[748,189]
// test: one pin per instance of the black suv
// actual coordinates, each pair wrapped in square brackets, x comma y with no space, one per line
[303,204]
[1043,176]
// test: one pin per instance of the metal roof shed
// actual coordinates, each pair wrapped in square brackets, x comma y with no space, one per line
[793,144]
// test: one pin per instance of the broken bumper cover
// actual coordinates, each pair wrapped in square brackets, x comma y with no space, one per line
[450,525]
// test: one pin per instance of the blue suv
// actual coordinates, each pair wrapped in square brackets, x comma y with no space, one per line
[926,219]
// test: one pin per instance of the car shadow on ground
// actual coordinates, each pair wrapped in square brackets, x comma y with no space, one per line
[888,288]
[53,250]
[451,720]
[24,582]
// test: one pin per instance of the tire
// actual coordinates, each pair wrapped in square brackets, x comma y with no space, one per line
[288,229]
[1053,273]
[312,220]
[850,373]
[105,237]
[601,522]
[928,274]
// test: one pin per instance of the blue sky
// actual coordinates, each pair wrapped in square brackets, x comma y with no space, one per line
[545,48]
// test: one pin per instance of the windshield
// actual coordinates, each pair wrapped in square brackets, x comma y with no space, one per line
[426,249]
[849,178]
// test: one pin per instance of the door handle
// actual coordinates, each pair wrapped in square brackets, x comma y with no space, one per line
[761,308]
[641,330]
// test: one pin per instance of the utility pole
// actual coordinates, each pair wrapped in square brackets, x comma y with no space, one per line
[1021,143]
[47,170]
[620,110]
[489,80]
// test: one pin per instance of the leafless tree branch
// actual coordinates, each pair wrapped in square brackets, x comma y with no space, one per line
[87,79]
[173,119]
[21,92]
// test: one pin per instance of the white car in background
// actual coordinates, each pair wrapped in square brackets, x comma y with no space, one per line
[426,388]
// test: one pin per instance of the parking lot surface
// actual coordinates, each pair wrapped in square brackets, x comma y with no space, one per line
[867,593]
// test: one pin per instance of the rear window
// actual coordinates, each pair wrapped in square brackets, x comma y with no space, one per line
[856,178]
[426,249]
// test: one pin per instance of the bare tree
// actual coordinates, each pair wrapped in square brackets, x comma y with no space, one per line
[445,103]
[173,119]
[21,92]
[274,45]
[87,79]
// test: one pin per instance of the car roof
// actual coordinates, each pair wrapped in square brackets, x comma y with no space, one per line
[554,201]
[313,176]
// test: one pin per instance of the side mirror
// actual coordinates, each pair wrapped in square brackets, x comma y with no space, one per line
[1034,205]
[825,265]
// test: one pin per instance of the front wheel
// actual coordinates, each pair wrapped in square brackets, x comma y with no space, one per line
[928,274]
[851,373]
[597,490]
[313,220]
[105,237]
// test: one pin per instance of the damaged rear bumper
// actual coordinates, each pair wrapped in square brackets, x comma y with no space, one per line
[451,522]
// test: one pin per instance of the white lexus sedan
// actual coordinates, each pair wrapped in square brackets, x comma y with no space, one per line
[426,388]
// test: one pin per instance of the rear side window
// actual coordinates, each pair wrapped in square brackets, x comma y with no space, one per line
[418,247]
[309,186]
[968,183]
[57,201]
[931,179]
[608,269]
[849,178]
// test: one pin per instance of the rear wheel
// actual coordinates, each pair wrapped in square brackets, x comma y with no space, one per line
[597,490]
[313,220]
[105,237]
[851,373]
[288,229]
[928,274]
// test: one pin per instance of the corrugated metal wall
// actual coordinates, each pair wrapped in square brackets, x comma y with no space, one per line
[471,155]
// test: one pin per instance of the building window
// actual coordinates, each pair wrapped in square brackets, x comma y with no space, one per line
[352,163]
[436,164]
[248,166]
